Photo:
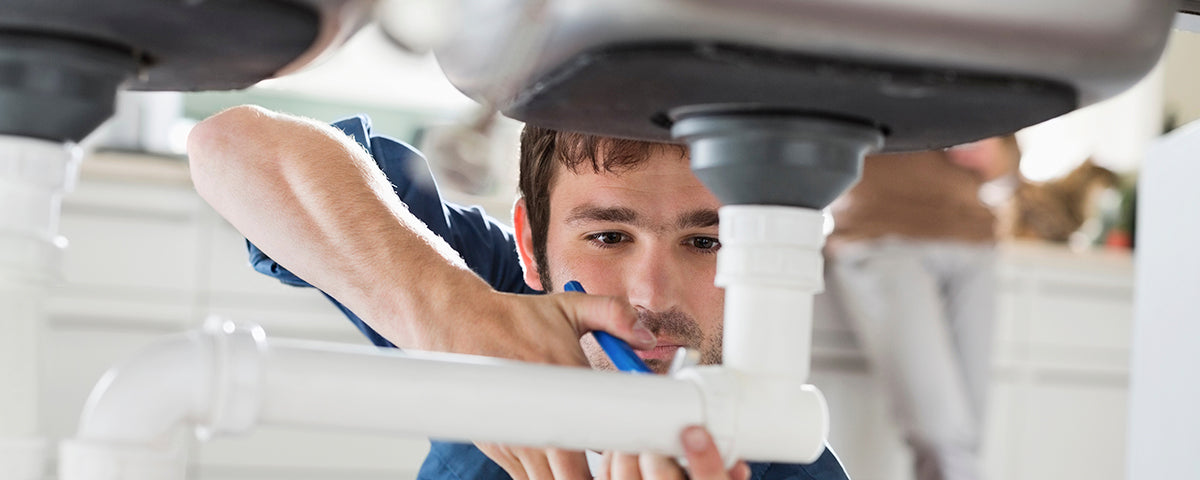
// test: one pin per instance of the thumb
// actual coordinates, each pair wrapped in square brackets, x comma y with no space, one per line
[609,314]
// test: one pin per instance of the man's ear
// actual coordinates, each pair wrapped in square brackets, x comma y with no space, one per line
[525,245]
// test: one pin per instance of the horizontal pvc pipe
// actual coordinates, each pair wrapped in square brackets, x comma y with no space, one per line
[472,398]
[228,379]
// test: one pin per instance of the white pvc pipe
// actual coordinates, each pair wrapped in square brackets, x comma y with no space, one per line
[761,418]
[22,448]
[140,415]
[175,386]
[770,266]
[227,379]
[33,176]
[135,422]
[472,398]
[775,337]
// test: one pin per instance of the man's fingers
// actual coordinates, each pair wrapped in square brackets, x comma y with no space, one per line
[568,465]
[658,467]
[524,463]
[606,466]
[704,461]
[535,463]
[609,314]
[625,467]
[740,471]
[506,458]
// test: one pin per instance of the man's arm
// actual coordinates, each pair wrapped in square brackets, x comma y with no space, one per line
[316,202]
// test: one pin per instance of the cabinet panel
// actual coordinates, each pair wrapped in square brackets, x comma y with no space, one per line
[1073,431]
[130,254]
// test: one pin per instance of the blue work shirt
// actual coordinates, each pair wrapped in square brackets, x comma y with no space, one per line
[489,249]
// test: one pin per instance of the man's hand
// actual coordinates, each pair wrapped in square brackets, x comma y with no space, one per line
[704,462]
[532,328]
[525,463]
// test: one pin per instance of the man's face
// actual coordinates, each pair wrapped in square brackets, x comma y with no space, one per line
[649,235]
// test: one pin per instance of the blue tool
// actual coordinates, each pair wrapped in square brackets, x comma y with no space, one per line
[618,351]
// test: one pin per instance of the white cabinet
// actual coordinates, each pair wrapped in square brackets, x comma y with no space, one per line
[1057,404]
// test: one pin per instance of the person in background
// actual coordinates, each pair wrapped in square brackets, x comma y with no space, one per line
[911,267]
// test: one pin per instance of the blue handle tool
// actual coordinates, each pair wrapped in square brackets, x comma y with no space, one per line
[618,351]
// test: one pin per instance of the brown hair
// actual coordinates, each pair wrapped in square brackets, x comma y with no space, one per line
[543,149]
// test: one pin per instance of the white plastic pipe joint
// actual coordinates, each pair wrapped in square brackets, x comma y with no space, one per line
[140,416]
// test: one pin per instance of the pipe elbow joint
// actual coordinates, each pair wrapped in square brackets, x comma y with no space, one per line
[757,417]
[137,419]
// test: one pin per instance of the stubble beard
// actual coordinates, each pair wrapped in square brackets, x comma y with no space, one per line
[673,323]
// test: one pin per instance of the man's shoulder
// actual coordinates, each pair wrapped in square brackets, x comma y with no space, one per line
[359,128]
[403,165]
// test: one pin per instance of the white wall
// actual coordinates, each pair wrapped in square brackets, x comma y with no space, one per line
[1182,74]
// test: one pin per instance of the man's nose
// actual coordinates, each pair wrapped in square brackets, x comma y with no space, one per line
[654,280]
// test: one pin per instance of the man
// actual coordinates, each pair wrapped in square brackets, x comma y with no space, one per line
[359,218]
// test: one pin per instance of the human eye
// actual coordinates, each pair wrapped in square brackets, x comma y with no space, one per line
[608,239]
[704,244]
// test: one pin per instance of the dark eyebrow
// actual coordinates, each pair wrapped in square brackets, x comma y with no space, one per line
[701,218]
[592,213]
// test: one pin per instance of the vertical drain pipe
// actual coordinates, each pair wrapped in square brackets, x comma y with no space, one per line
[34,174]
[774,170]
[770,266]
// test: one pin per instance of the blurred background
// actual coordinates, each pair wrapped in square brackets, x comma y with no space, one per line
[148,257]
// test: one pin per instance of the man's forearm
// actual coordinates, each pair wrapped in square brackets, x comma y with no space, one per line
[315,201]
